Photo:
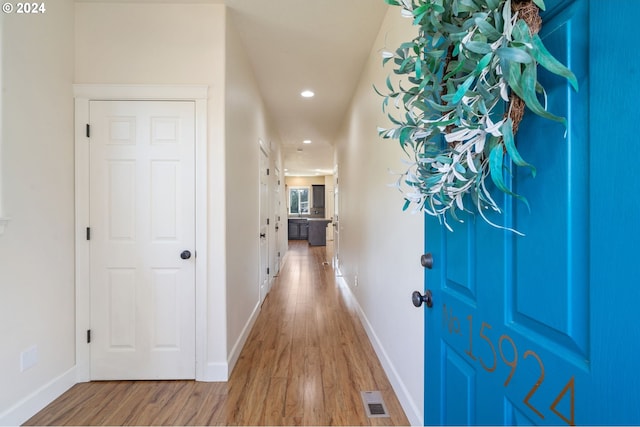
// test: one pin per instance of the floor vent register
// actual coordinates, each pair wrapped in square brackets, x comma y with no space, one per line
[374,405]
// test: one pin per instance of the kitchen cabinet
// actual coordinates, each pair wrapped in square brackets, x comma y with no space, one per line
[318,196]
[298,229]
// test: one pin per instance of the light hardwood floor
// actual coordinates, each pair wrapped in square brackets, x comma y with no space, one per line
[305,363]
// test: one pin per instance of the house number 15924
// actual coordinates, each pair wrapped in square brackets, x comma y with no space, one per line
[511,357]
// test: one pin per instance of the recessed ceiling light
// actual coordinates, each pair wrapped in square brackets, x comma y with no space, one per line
[307,93]
[306,141]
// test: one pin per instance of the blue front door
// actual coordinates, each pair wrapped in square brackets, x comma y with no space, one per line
[543,329]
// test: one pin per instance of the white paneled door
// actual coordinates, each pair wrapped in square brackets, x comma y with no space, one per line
[264,224]
[142,239]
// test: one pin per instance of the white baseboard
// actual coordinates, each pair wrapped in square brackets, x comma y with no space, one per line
[36,401]
[220,371]
[412,411]
[242,339]
[215,372]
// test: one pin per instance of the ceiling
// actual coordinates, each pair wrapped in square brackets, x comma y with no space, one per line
[321,45]
[293,45]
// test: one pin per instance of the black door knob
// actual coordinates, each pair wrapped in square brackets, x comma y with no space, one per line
[426,260]
[185,254]
[417,298]
[263,235]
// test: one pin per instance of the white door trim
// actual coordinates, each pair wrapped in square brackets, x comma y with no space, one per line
[84,93]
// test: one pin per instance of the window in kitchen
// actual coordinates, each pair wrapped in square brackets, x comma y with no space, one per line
[299,200]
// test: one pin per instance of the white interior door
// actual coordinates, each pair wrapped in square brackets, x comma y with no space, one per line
[329,209]
[142,239]
[264,224]
[277,209]
[336,224]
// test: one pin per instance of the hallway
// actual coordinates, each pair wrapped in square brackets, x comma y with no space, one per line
[306,361]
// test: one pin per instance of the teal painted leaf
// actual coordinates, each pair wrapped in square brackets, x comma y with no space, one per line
[377,91]
[496,167]
[458,66]
[514,73]
[478,47]
[540,4]
[488,29]
[437,54]
[389,85]
[544,58]
[496,157]
[420,10]
[514,55]
[462,89]
[405,135]
[528,82]
[420,105]
[482,64]
[467,6]
[444,159]
[439,107]
[510,145]
[493,4]
[521,32]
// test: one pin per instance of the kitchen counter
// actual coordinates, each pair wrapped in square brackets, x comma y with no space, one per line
[317,231]
[311,229]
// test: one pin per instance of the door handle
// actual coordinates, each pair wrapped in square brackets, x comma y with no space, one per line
[185,254]
[263,235]
[417,298]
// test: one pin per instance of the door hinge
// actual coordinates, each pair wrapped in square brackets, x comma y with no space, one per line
[267,221]
[88,131]
[267,271]
[88,336]
[88,233]
[267,171]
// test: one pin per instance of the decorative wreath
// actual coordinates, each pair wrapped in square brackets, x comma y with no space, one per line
[470,72]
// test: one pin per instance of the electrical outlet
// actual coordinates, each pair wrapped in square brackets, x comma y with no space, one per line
[28,358]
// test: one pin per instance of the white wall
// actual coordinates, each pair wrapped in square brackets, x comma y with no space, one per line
[247,123]
[153,43]
[380,245]
[37,247]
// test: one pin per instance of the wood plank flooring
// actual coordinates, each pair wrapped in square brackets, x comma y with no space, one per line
[305,363]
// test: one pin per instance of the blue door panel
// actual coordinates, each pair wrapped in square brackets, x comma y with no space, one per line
[545,261]
[459,386]
[542,329]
